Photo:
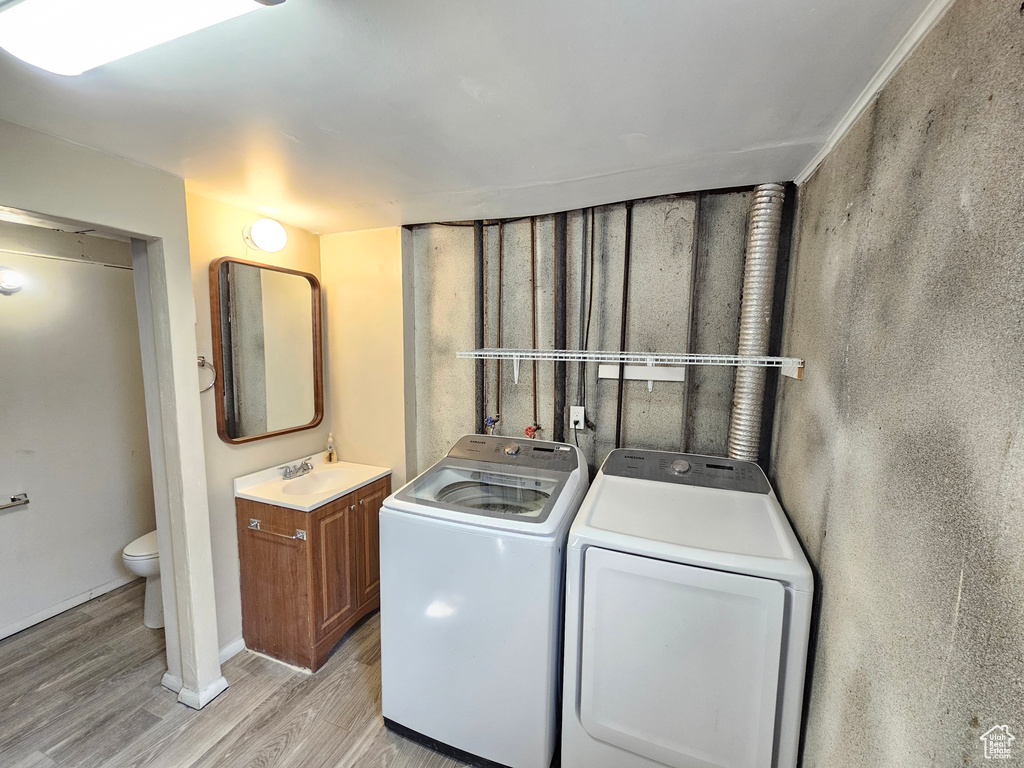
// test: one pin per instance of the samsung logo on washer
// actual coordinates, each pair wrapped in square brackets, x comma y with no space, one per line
[631,456]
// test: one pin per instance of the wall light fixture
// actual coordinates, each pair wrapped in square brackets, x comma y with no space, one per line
[265,235]
[10,281]
[69,37]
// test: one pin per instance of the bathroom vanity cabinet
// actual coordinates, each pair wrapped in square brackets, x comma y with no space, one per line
[307,577]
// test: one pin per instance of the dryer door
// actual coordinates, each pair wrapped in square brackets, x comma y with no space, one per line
[680,664]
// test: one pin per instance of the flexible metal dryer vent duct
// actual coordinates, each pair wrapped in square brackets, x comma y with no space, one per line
[755,318]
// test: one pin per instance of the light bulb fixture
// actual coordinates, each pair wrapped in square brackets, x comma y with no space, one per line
[10,281]
[265,235]
[69,37]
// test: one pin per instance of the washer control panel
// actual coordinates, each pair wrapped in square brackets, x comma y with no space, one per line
[537,454]
[679,467]
[687,469]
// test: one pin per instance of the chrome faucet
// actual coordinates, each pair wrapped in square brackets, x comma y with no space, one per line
[300,469]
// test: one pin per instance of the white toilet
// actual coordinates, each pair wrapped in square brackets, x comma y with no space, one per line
[142,557]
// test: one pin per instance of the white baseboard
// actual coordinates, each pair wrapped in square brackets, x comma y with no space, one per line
[170,682]
[199,699]
[292,667]
[232,649]
[173,683]
[935,10]
[65,605]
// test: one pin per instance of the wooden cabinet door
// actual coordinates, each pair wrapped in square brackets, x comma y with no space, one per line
[367,558]
[274,581]
[334,592]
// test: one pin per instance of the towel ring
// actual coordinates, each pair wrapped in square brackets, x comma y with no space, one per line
[204,363]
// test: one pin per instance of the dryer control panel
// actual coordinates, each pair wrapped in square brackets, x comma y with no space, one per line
[536,454]
[687,469]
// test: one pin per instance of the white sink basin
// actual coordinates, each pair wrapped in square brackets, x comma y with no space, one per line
[323,479]
[325,483]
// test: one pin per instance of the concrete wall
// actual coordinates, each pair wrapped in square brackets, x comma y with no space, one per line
[442,323]
[362,274]
[215,230]
[676,415]
[247,370]
[900,456]
[73,423]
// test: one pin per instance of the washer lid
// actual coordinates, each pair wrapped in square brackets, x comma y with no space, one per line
[532,487]
[525,494]
[712,527]
[706,518]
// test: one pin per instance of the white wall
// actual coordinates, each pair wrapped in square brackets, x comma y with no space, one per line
[73,420]
[46,175]
[362,276]
[215,230]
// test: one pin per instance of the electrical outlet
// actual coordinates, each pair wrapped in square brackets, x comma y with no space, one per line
[577,417]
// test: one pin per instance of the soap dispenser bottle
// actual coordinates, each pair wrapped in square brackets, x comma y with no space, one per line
[331,454]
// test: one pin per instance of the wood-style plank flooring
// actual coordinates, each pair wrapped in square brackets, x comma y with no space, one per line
[82,690]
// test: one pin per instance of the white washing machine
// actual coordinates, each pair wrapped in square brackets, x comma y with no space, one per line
[472,557]
[688,606]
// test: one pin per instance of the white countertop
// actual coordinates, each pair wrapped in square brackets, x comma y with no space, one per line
[324,484]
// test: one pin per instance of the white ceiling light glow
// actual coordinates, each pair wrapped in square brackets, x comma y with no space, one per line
[10,281]
[265,235]
[69,37]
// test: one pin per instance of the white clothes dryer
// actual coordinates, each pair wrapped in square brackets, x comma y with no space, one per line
[472,559]
[688,605]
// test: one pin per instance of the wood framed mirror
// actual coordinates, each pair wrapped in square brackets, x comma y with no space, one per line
[267,348]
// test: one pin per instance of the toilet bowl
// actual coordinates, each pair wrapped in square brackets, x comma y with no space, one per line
[142,557]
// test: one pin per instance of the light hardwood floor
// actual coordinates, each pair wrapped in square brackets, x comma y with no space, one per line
[82,690]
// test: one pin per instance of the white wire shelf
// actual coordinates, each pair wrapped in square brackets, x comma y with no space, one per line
[792,367]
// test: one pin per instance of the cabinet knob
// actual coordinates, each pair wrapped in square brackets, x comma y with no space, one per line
[361,502]
[353,506]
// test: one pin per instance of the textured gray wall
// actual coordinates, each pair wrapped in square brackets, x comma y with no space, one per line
[658,321]
[248,349]
[900,456]
[443,317]
[716,319]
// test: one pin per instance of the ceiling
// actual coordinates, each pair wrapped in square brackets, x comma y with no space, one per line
[336,115]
